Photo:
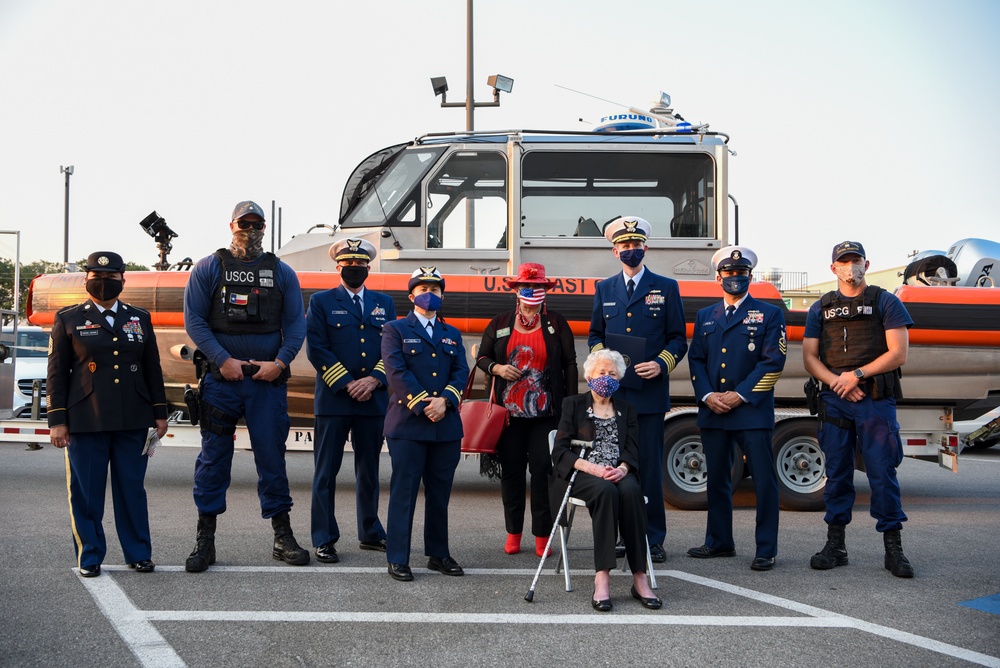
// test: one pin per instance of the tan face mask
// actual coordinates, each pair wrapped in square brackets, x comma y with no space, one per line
[247,244]
[851,274]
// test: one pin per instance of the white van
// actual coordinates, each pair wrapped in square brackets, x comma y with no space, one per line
[32,363]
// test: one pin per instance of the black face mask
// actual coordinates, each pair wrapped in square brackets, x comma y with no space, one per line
[353,276]
[104,289]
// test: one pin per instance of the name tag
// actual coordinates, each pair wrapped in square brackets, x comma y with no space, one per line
[503,332]
[413,340]
[338,312]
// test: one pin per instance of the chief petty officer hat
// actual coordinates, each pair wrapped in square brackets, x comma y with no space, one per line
[353,249]
[846,248]
[425,275]
[734,256]
[105,261]
[627,228]
[247,208]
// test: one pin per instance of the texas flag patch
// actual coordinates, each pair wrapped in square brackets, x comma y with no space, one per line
[238,300]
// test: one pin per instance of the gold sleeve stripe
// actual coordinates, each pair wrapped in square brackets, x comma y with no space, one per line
[416,400]
[380,366]
[599,346]
[668,359]
[334,373]
[458,395]
[766,384]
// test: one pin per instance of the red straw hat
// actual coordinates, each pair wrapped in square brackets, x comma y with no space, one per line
[530,273]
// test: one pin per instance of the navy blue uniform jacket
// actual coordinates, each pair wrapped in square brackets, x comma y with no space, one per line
[103,377]
[655,313]
[344,346]
[745,355]
[419,368]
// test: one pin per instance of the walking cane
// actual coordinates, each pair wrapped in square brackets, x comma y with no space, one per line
[584,446]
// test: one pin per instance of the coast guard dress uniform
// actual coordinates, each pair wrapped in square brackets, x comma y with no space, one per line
[105,385]
[424,359]
[344,344]
[742,351]
[650,312]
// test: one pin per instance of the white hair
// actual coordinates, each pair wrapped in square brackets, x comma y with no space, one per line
[612,356]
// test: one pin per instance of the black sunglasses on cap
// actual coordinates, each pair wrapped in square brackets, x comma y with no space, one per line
[247,224]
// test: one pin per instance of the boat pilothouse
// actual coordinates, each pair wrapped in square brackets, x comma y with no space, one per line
[486,201]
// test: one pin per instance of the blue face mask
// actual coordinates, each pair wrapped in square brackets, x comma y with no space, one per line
[736,285]
[428,301]
[604,386]
[632,257]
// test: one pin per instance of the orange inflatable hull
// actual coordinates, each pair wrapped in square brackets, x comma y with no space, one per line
[942,315]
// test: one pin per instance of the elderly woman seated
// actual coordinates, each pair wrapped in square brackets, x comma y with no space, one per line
[608,481]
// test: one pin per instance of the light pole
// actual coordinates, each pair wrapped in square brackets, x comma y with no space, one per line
[68,171]
[498,82]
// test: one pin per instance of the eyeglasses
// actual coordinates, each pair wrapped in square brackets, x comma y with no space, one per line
[247,224]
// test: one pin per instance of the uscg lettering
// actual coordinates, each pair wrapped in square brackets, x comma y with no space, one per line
[239,276]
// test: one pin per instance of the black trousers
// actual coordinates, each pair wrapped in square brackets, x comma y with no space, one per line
[615,509]
[524,447]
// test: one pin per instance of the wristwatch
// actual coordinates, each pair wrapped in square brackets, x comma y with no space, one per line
[859,374]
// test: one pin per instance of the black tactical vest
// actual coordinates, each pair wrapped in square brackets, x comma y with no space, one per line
[248,300]
[853,334]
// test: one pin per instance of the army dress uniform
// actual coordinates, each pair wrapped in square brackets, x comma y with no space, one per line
[655,313]
[106,386]
[344,343]
[745,353]
[418,366]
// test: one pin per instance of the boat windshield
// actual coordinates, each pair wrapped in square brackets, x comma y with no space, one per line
[399,185]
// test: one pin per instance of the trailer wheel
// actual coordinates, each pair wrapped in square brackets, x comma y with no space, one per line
[685,475]
[800,465]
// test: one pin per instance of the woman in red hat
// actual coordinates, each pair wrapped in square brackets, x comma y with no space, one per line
[530,352]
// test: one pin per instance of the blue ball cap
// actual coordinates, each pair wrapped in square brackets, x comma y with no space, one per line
[846,248]
[247,208]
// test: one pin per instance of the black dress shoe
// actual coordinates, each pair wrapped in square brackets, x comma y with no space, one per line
[144,566]
[762,563]
[375,545]
[327,554]
[706,552]
[650,603]
[657,554]
[445,565]
[401,572]
[90,571]
[601,606]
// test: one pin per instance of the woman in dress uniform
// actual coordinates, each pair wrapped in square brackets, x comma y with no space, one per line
[426,370]
[104,392]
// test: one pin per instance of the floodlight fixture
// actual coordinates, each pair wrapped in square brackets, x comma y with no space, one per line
[440,85]
[500,84]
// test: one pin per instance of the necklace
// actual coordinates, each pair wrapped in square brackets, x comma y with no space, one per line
[604,411]
[528,323]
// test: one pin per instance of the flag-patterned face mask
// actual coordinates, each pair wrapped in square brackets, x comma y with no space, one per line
[531,296]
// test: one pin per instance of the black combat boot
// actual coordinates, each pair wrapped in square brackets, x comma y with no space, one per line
[834,553]
[204,552]
[285,547]
[895,560]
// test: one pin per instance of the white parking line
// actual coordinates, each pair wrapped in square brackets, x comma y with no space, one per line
[151,649]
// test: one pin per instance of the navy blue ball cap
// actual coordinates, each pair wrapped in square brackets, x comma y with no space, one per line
[105,261]
[247,208]
[846,248]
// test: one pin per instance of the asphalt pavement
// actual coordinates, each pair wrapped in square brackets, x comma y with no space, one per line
[250,610]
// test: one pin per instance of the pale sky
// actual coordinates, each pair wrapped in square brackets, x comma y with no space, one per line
[874,121]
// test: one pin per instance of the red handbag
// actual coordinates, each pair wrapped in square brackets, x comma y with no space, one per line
[483,421]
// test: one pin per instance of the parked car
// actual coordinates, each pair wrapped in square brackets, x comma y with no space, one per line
[32,364]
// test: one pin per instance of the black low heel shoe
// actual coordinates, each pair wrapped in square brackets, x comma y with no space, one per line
[601,606]
[651,603]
